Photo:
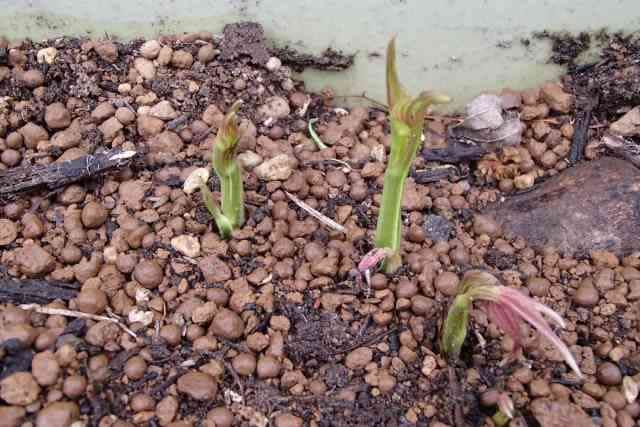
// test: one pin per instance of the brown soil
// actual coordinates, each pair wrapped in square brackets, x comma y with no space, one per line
[272,326]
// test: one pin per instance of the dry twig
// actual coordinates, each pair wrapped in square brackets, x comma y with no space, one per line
[317,215]
[72,313]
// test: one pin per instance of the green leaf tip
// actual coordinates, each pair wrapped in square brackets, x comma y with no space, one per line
[226,140]
[395,91]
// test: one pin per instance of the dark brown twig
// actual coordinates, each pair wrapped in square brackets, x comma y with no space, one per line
[58,175]
[581,129]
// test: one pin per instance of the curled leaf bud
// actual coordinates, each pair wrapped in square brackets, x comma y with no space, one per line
[455,326]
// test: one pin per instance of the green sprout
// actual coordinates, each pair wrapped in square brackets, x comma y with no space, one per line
[507,307]
[314,136]
[407,117]
[231,213]
[504,414]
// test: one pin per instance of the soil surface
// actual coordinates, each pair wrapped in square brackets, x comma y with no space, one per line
[168,325]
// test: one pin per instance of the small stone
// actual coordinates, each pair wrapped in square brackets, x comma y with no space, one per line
[125,115]
[206,53]
[627,125]
[163,110]
[102,333]
[32,226]
[327,266]
[438,228]
[107,50]
[278,168]
[182,59]
[19,389]
[148,273]
[58,414]
[186,245]
[47,55]
[274,108]
[586,295]
[92,301]
[45,368]
[12,416]
[268,367]
[34,261]
[604,259]
[149,126]
[94,215]
[132,193]
[164,56]
[11,157]
[8,232]
[22,332]
[32,78]
[483,224]
[68,138]
[538,286]
[609,374]
[557,98]
[32,134]
[145,67]
[103,111]
[150,49]
[214,270]
[429,364]
[288,420]
[539,388]
[358,358]
[531,112]
[273,64]
[57,116]
[166,142]
[522,182]
[249,160]
[447,283]
[557,413]
[110,128]
[227,324]
[198,386]
[244,364]
[204,313]
[167,409]
[220,417]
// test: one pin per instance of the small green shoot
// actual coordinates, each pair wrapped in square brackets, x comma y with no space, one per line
[314,136]
[223,159]
[407,117]
[504,414]
[506,307]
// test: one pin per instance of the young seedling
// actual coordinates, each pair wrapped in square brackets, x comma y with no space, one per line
[505,410]
[314,136]
[505,306]
[231,213]
[406,115]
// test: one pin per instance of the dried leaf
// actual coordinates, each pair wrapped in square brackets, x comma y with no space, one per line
[484,112]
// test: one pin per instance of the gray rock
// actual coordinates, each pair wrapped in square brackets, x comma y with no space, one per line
[438,228]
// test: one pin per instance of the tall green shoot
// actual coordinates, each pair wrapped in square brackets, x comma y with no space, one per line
[407,117]
[230,215]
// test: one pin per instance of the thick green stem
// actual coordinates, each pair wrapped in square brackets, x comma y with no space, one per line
[222,222]
[232,195]
[389,228]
